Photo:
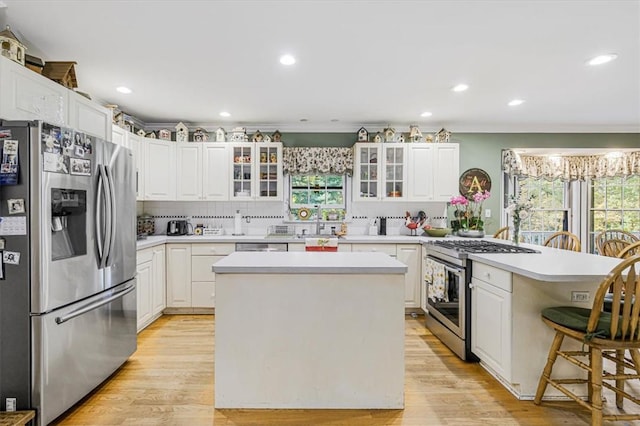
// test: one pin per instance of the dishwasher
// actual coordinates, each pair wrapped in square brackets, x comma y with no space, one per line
[262,247]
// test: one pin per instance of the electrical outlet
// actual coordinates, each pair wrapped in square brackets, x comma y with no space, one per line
[579,296]
[487,213]
[11,404]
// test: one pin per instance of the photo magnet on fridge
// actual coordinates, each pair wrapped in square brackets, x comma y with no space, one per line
[11,257]
[15,205]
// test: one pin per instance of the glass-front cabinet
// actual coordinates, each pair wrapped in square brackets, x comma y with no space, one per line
[380,172]
[256,171]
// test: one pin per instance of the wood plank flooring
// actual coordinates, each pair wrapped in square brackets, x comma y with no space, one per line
[169,381]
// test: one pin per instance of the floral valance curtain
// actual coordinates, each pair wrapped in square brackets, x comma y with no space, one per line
[569,168]
[318,160]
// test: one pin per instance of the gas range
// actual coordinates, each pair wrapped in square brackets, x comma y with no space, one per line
[460,248]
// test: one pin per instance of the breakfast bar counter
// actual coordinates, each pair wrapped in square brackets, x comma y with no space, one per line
[309,330]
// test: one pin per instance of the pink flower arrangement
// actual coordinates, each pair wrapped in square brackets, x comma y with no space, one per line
[469,211]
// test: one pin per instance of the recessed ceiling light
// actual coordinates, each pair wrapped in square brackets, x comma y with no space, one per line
[426,114]
[304,119]
[460,87]
[225,114]
[334,120]
[602,59]
[516,102]
[287,60]
[124,90]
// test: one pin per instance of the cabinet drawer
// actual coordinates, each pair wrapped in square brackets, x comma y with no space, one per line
[215,248]
[492,275]
[389,249]
[203,294]
[144,255]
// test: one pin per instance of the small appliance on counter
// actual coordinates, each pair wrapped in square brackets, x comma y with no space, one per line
[178,227]
[382,226]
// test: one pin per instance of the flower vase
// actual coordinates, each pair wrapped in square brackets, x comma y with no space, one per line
[516,235]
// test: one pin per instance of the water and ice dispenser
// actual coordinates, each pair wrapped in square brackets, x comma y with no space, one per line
[68,223]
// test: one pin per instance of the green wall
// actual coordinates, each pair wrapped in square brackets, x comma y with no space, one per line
[483,150]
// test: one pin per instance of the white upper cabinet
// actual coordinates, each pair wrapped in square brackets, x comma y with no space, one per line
[433,170]
[256,172]
[160,170]
[189,171]
[26,95]
[380,172]
[89,117]
[215,172]
[119,136]
[138,146]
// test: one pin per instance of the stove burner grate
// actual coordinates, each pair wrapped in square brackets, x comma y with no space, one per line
[477,246]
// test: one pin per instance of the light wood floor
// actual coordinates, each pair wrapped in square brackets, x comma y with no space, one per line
[169,381]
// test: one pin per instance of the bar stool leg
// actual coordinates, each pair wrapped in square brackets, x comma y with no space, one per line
[619,382]
[546,373]
[589,380]
[596,385]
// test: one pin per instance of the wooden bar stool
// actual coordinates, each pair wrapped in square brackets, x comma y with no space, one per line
[612,247]
[611,234]
[630,250]
[607,335]
[563,240]
[502,233]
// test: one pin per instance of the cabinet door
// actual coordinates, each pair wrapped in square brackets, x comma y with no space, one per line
[394,172]
[160,170]
[491,326]
[421,175]
[138,146]
[178,275]
[409,254]
[446,171]
[242,171]
[189,171]
[269,171]
[159,286]
[215,172]
[366,176]
[89,117]
[119,136]
[27,95]
[143,292]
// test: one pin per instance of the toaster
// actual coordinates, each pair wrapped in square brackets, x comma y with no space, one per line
[178,227]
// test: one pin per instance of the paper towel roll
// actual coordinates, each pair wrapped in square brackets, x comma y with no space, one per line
[237,224]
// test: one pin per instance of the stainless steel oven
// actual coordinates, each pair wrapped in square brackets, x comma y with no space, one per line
[447,305]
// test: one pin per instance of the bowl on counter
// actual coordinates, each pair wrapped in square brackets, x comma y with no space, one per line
[437,232]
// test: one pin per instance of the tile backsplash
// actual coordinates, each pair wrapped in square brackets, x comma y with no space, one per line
[258,216]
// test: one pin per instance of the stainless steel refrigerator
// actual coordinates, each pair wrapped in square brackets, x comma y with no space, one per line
[67,285]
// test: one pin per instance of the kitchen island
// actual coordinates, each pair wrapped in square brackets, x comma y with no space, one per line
[309,330]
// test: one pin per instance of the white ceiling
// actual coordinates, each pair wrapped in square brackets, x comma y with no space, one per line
[359,62]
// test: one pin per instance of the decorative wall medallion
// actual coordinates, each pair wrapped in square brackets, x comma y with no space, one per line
[473,181]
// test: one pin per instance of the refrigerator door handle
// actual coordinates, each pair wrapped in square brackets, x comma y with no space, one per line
[112,208]
[96,305]
[104,239]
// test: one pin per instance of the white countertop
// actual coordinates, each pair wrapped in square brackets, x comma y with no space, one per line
[553,265]
[309,263]
[382,239]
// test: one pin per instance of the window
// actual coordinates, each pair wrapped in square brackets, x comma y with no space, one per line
[326,191]
[614,203]
[550,212]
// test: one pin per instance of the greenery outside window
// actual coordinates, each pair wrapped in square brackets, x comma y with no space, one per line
[614,203]
[550,212]
[324,190]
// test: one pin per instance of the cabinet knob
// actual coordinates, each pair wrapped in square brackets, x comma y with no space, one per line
[488,275]
[471,285]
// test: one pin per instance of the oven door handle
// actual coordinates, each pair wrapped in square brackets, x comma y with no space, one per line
[453,270]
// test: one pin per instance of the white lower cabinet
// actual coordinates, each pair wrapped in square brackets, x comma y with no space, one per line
[178,275]
[409,254]
[190,281]
[150,285]
[491,300]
